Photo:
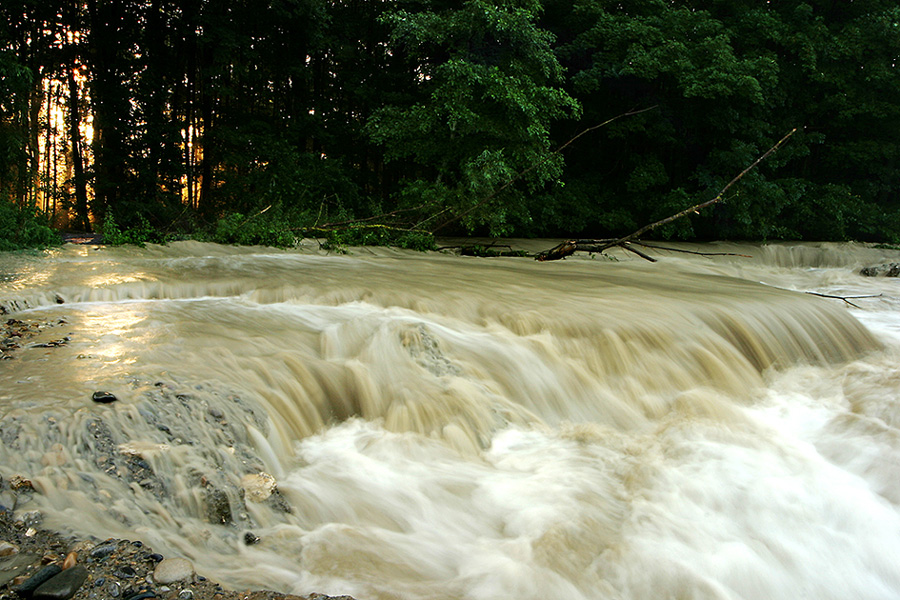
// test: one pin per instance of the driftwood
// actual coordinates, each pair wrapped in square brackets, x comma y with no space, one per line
[598,246]
[844,298]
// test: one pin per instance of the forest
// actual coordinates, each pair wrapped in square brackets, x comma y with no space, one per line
[255,121]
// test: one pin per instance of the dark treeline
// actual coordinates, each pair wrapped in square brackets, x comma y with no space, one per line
[446,116]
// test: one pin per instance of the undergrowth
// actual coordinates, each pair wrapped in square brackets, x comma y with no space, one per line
[24,227]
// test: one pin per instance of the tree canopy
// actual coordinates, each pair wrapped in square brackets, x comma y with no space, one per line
[428,115]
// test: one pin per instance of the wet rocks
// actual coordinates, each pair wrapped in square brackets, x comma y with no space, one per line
[7,549]
[62,586]
[883,270]
[15,333]
[104,397]
[27,587]
[171,570]
[218,508]
[100,574]
[258,487]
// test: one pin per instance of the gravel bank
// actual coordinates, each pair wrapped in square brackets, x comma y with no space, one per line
[95,569]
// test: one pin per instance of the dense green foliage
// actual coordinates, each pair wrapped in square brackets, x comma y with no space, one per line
[258,121]
[25,227]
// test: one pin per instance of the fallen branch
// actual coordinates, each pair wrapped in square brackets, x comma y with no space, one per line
[844,298]
[684,251]
[602,245]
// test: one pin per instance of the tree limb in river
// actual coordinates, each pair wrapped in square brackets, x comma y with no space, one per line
[844,298]
[622,242]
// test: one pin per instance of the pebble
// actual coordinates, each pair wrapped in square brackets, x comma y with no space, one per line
[125,572]
[32,518]
[171,570]
[251,538]
[186,595]
[71,559]
[7,549]
[63,586]
[17,482]
[103,550]
[103,397]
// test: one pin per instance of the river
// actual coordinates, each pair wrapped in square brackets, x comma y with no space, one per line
[392,424]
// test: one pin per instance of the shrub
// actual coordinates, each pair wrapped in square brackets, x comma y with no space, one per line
[25,227]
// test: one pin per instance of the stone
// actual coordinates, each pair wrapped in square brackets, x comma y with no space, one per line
[63,586]
[218,508]
[885,270]
[250,538]
[105,549]
[17,482]
[258,486]
[104,397]
[27,587]
[170,570]
[7,549]
[125,572]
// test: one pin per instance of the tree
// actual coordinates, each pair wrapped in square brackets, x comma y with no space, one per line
[484,94]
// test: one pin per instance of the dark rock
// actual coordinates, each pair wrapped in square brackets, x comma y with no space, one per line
[141,595]
[125,572]
[104,549]
[27,587]
[885,270]
[251,539]
[218,509]
[103,397]
[155,557]
[63,586]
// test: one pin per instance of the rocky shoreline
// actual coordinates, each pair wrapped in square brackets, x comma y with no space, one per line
[44,565]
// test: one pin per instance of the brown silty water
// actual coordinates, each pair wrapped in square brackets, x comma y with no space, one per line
[393,424]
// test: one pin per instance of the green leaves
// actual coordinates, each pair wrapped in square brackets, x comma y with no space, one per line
[486,82]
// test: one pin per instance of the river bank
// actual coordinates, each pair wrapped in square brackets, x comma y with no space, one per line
[113,568]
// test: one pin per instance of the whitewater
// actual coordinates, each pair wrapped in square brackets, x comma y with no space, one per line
[393,424]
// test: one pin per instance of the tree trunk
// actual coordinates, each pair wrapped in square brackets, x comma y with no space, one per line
[82,218]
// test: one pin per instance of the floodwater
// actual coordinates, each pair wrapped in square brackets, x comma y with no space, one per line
[393,424]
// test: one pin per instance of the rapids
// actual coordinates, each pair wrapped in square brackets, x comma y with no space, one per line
[393,424]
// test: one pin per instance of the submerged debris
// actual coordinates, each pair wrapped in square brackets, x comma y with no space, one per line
[14,335]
